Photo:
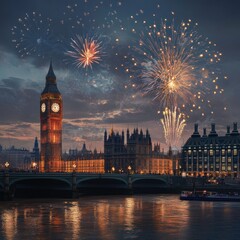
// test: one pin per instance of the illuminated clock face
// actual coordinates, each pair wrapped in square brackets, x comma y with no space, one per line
[55,107]
[43,107]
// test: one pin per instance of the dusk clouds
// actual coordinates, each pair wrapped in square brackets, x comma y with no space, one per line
[103,97]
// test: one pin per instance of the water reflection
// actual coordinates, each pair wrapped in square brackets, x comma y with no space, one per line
[9,223]
[117,217]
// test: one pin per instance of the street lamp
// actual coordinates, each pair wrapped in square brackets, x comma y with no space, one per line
[6,164]
[113,169]
[129,169]
[34,165]
[74,167]
[184,174]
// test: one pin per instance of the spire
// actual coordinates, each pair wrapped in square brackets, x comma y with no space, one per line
[105,135]
[84,147]
[36,143]
[50,74]
[35,147]
[51,85]
[111,132]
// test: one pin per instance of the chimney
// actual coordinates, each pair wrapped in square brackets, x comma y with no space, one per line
[195,133]
[204,132]
[213,128]
[228,131]
[235,129]
[195,128]
[213,131]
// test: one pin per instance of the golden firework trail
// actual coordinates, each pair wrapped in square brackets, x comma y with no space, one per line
[173,125]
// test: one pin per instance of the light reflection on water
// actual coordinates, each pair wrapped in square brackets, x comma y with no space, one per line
[119,217]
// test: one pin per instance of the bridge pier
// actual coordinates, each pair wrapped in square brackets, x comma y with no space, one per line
[75,193]
[129,178]
[7,194]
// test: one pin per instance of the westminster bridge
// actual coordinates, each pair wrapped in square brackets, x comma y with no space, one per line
[35,183]
[57,184]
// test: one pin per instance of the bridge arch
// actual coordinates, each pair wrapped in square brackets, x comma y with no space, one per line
[43,179]
[101,179]
[145,180]
[102,185]
[40,187]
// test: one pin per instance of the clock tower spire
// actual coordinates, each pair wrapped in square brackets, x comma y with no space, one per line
[51,109]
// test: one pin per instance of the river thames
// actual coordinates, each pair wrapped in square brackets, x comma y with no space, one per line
[119,217]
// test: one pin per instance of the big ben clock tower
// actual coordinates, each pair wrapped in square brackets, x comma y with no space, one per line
[51,109]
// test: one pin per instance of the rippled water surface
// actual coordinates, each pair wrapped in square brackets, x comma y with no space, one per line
[119,217]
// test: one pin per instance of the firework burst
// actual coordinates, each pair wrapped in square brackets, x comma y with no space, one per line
[173,123]
[86,51]
[32,35]
[176,65]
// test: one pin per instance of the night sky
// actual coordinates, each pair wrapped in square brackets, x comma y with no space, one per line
[103,95]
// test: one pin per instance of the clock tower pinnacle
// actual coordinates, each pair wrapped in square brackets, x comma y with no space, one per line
[51,109]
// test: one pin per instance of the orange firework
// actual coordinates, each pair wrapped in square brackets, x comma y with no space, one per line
[86,52]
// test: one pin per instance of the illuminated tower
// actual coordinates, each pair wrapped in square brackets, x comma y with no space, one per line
[51,109]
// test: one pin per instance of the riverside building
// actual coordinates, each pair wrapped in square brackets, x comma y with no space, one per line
[212,155]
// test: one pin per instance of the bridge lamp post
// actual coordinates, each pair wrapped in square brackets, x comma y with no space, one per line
[113,169]
[184,174]
[34,165]
[7,164]
[129,169]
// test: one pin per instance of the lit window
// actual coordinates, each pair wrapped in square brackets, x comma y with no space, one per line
[235,152]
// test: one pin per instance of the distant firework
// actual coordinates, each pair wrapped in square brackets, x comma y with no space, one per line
[173,124]
[32,35]
[86,51]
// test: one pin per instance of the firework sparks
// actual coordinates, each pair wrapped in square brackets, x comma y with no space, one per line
[174,64]
[32,35]
[173,125]
[87,51]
